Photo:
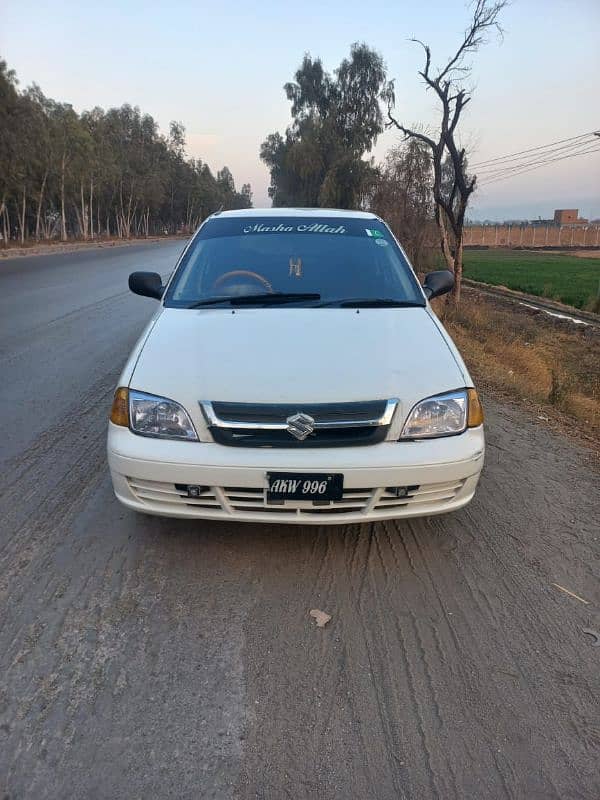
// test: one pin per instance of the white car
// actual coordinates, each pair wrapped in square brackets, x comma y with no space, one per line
[294,372]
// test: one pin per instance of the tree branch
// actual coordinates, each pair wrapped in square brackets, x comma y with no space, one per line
[460,101]
[410,134]
[484,18]
[451,192]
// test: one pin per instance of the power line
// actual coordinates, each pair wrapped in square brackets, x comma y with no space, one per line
[533,149]
[534,152]
[505,176]
[531,159]
[545,158]
[512,174]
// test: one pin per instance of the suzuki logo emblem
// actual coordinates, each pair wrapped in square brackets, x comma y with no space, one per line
[300,425]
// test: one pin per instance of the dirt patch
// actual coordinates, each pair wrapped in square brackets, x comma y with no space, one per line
[587,253]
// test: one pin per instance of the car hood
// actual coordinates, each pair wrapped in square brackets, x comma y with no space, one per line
[284,355]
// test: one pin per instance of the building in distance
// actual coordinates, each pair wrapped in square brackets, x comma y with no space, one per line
[568,216]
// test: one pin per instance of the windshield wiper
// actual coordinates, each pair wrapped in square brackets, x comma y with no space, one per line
[273,298]
[264,298]
[371,302]
[209,301]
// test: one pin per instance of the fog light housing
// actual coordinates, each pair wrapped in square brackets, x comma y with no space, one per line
[401,491]
[191,490]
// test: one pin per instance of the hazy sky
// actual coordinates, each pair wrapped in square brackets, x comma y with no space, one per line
[219,68]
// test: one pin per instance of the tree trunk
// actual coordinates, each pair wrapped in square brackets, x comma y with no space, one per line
[63,219]
[91,208]
[124,219]
[3,216]
[7,223]
[458,270]
[77,211]
[38,215]
[83,224]
[22,218]
[444,241]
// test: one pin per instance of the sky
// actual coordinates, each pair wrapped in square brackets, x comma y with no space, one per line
[219,68]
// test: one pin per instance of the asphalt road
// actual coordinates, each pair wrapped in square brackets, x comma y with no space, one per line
[149,658]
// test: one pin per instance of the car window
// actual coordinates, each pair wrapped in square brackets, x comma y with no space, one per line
[335,258]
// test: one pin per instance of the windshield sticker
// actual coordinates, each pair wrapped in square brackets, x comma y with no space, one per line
[373,233]
[381,242]
[316,227]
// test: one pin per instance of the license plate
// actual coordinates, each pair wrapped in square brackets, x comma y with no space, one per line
[304,486]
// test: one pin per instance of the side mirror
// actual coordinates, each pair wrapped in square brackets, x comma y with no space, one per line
[437,283]
[148,284]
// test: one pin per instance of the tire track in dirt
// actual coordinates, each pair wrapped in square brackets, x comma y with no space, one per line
[407,634]
[450,669]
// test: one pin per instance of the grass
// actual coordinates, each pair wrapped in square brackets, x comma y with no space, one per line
[566,278]
[532,358]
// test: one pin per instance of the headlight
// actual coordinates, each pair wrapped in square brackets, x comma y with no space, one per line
[443,415]
[156,416]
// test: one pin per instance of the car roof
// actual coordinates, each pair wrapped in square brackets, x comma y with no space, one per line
[298,212]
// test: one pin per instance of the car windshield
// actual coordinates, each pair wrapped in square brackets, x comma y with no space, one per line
[300,261]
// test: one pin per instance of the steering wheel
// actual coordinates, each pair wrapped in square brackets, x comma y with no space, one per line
[243,273]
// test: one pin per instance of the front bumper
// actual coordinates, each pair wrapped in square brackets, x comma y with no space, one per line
[443,474]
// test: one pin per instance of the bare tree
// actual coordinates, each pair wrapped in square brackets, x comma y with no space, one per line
[452,186]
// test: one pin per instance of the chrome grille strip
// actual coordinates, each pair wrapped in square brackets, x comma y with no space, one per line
[214,421]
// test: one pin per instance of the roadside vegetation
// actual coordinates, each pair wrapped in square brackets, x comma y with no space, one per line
[526,355]
[66,175]
[557,276]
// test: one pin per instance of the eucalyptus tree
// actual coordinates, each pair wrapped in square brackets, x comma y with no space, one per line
[98,172]
[24,157]
[43,155]
[70,141]
[9,146]
[336,121]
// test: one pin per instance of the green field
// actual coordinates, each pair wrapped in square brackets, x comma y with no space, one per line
[565,278]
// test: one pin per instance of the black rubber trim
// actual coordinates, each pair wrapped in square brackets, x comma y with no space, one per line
[279,412]
[337,437]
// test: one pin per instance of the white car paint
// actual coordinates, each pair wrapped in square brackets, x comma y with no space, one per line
[294,355]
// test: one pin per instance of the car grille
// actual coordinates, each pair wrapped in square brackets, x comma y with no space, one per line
[266,424]
[217,501]
[279,412]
